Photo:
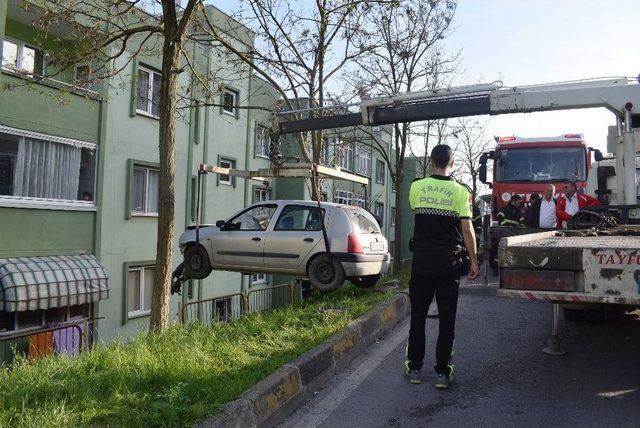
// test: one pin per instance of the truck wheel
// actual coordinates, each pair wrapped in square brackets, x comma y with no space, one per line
[368,281]
[196,262]
[596,314]
[573,314]
[325,273]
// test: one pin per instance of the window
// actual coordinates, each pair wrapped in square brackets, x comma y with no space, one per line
[224,179]
[262,142]
[255,218]
[222,310]
[148,92]
[258,278]
[362,220]
[380,171]
[260,195]
[19,56]
[379,212]
[299,217]
[139,290]
[230,102]
[343,197]
[393,216]
[359,201]
[52,169]
[363,161]
[82,75]
[346,157]
[144,190]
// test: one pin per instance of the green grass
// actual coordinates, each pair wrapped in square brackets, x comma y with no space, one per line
[174,378]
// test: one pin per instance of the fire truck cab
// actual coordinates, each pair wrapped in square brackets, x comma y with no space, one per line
[526,166]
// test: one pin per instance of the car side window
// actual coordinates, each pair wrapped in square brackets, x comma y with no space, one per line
[256,218]
[299,217]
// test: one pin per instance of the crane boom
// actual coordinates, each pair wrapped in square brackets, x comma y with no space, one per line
[621,96]
[473,100]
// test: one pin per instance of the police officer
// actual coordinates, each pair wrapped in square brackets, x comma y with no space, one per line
[442,226]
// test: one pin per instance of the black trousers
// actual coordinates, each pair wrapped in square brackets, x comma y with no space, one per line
[431,275]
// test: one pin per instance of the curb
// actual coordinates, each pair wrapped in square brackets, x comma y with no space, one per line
[272,399]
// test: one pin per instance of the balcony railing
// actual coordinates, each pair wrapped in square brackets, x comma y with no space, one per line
[70,338]
[233,306]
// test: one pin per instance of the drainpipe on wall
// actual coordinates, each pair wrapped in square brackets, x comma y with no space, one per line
[246,166]
[205,157]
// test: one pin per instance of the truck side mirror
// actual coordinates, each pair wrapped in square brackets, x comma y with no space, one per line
[483,168]
[597,154]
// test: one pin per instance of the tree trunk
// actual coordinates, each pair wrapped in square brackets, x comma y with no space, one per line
[166,199]
[397,230]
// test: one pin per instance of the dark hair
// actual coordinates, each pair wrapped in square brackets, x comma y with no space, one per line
[573,184]
[441,155]
[515,197]
[534,197]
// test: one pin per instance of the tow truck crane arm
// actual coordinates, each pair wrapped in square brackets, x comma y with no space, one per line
[621,96]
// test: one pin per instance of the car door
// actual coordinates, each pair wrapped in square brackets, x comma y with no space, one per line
[296,233]
[239,244]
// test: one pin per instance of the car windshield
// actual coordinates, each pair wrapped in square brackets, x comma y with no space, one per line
[541,164]
[362,220]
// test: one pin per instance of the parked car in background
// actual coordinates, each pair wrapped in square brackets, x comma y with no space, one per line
[285,236]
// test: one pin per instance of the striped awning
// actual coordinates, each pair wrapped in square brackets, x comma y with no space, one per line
[32,283]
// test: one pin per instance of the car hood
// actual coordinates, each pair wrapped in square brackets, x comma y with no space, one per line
[189,235]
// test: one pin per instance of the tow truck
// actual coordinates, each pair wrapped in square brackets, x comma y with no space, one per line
[599,266]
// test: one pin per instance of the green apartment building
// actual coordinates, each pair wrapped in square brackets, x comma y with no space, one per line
[79,181]
[79,177]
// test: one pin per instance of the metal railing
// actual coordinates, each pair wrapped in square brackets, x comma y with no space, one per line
[69,338]
[233,306]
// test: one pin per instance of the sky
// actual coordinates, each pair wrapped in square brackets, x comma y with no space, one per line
[543,41]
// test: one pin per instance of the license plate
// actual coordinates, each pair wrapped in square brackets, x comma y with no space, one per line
[377,246]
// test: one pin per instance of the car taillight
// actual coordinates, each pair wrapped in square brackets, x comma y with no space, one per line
[353,244]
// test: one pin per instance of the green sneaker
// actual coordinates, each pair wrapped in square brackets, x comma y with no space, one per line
[444,381]
[415,377]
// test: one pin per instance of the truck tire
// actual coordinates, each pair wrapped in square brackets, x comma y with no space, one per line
[325,273]
[196,262]
[573,314]
[368,281]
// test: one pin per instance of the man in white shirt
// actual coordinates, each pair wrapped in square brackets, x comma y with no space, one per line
[543,211]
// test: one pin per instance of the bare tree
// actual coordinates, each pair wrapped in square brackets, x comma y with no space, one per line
[110,33]
[407,35]
[301,49]
[471,142]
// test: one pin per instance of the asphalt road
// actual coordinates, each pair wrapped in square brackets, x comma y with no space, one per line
[503,379]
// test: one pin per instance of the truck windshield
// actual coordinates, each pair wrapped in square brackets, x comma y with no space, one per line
[541,164]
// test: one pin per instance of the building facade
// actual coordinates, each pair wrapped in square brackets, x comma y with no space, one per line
[79,173]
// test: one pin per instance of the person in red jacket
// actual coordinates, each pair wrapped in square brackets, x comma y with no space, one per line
[572,203]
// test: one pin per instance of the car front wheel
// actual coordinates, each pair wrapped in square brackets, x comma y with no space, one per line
[196,262]
[368,281]
[325,273]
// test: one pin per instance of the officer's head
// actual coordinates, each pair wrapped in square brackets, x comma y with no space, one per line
[516,200]
[442,156]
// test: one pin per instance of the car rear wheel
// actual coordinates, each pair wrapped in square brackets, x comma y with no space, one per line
[196,262]
[368,281]
[325,273]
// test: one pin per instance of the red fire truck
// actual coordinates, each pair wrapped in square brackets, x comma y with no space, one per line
[527,165]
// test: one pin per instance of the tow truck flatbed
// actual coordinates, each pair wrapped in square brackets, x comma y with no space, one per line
[573,269]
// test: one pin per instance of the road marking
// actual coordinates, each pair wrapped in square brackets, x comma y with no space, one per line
[321,410]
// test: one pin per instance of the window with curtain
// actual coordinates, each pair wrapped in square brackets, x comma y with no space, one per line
[262,142]
[363,160]
[139,290]
[38,168]
[144,190]
[148,92]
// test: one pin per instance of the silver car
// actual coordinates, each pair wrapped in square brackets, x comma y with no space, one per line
[285,236]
